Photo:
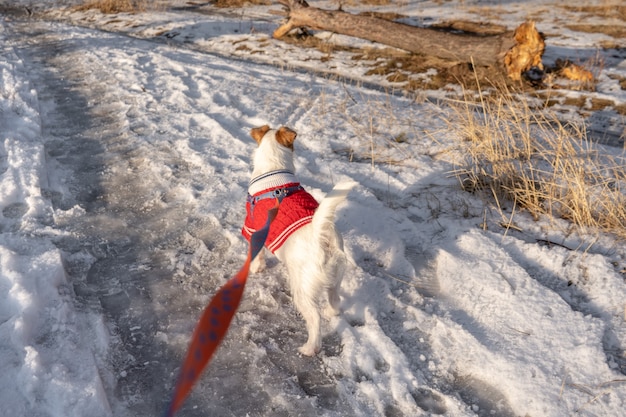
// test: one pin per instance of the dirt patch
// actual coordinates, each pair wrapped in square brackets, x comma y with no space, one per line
[610,30]
[604,10]
[114,6]
[620,80]
[551,99]
[417,72]
[579,101]
[600,103]
[240,3]
[375,2]
[304,39]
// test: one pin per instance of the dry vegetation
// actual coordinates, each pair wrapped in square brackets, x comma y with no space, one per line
[137,6]
[519,153]
[606,9]
[613,13]
[240,3]
[114,6]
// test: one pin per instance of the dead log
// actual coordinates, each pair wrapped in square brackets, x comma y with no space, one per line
[514,52]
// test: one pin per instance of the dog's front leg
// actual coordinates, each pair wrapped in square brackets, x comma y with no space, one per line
[258,263]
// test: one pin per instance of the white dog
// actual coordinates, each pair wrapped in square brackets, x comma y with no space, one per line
[302,236]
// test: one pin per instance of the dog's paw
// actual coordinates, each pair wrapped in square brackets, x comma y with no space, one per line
[329,312]
[309,350]
[257,265]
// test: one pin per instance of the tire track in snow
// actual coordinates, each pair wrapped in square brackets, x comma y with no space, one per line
[114,222]
[95,165]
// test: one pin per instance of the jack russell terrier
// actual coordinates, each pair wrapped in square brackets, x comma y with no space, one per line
[302,235]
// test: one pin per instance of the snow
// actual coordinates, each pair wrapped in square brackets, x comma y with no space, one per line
[124,165]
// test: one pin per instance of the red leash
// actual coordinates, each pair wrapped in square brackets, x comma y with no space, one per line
[215,321]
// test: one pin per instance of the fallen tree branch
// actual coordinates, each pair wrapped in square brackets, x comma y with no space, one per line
[513,52]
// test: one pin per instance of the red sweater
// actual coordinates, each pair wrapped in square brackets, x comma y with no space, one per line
[295,211]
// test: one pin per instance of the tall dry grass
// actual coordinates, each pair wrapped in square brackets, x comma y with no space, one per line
[518,151]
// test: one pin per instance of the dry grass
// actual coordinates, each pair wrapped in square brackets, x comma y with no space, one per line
[519,152]
[610,30]
[376,2]
[606,9]
[114,6]
[240,3]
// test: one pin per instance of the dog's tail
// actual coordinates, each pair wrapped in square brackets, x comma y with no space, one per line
[324,218]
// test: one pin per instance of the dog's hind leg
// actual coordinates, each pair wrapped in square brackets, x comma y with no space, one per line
[334,301]
[309,311]
[335,275]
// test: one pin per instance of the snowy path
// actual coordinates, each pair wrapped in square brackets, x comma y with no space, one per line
[146,154]
[92,149]
[135,234]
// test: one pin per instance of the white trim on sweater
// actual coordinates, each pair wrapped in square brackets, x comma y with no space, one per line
[270,180]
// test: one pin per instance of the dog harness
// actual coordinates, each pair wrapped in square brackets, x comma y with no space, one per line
[296,207]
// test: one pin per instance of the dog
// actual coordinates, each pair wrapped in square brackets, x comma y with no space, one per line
[302,235]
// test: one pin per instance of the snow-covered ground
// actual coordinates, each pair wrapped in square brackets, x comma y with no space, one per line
[124,164]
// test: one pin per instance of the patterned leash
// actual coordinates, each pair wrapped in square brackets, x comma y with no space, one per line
[215,320]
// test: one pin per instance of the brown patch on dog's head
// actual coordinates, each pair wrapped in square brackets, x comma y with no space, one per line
[258,132]
[286,137]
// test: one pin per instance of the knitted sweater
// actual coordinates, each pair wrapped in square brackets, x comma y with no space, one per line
[294,211]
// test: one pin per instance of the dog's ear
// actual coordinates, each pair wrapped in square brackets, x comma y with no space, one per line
[286,137]
[258,132]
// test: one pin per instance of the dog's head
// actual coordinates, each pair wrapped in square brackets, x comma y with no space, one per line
[275,149]
[283,136]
